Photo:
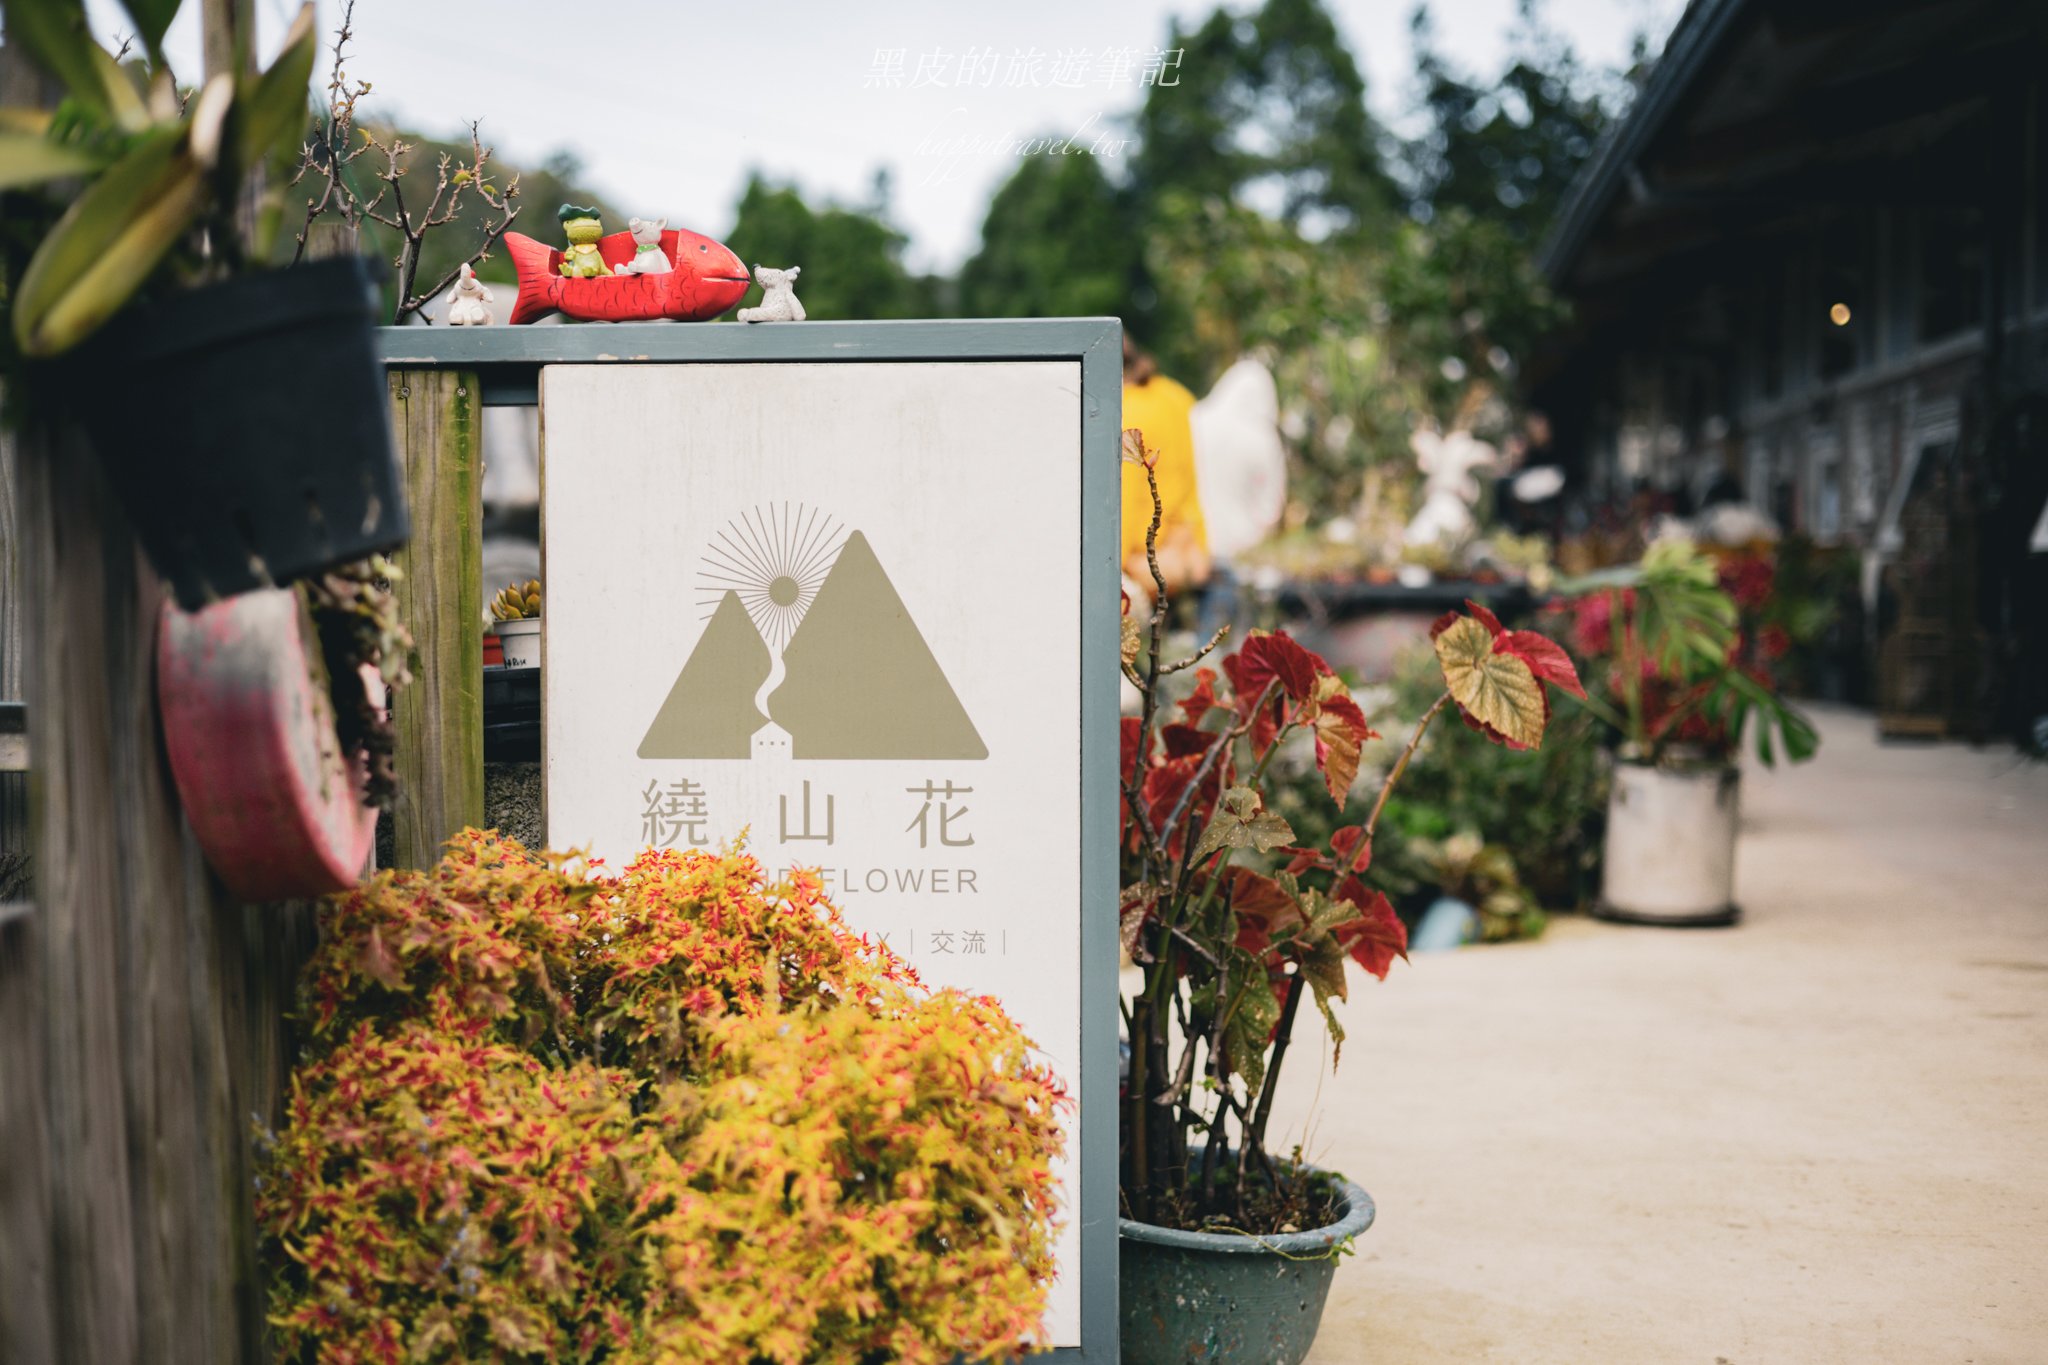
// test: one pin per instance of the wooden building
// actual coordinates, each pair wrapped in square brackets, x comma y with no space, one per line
[1814,258]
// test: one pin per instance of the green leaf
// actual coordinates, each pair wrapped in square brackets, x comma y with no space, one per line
[28,160]
[1801,740]
[108,243]
[1240,823]
[1497,690]
[152,18]
[1134,907]
[18,120]
[57,36]
[272,107]
[1322,966]
[1255,1012]
[124,96]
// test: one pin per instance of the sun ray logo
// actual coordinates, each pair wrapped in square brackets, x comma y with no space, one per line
[807,652]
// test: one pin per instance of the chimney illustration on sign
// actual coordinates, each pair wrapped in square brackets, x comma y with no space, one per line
[808,652]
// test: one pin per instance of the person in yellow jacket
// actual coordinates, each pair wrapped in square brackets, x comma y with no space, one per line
[1159,408]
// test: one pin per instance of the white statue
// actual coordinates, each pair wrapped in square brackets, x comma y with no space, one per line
[1449,491]
[468,301]
[1240,462]
[779,301]
[648,257]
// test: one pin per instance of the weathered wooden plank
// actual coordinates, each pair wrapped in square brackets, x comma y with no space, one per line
[127,1220]
[14,828]
[27,1328]
[91,1185]
[436,415]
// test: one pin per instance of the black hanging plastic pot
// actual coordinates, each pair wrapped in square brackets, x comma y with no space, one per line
[247,429]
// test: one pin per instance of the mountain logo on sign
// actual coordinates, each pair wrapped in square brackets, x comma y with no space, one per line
[808,652]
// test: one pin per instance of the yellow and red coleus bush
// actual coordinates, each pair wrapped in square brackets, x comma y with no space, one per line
[679,1115]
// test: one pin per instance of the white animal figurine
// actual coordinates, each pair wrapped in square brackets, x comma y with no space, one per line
[468,302]
[648,257]
[1449,490]
[779,301]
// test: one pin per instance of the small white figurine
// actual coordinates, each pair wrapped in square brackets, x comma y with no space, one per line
[648,257]
[1449,490]
[779,301]
[467,300]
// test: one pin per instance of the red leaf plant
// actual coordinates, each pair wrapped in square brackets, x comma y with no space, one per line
[1680,648]
[1229,918]
[681,1115]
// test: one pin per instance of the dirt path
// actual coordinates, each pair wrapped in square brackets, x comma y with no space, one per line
[1819,1137]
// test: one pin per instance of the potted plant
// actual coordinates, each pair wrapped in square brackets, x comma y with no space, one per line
[1227,1249]
[1679,680]
[277,727]
[516,614]
[683,1113]
[241,414]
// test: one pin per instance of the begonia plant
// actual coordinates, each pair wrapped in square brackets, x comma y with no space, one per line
[1232,922]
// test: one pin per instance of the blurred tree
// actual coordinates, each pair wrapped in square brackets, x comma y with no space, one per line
[1399,321]
[1505,150]
[1060,241]
[1269,109]
[852,258]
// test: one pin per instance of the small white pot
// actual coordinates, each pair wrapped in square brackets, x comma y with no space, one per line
[1671,845]
[521,640]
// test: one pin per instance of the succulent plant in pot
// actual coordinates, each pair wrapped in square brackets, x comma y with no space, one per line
[516,615]
[1677,682]
[1227,1249]
[240,413]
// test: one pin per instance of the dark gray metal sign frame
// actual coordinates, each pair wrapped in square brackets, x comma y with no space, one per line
[507,362]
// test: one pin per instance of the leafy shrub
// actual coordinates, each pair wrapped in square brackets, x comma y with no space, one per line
[1547,810]
[676,1116]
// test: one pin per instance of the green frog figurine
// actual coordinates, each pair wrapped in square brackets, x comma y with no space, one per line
[580,260]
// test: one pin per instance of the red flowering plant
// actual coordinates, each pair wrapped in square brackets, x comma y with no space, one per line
[1679,651]
[677,1116]
[1233,922]
[1784,602]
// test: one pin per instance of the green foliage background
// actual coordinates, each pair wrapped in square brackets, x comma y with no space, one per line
[1386,278]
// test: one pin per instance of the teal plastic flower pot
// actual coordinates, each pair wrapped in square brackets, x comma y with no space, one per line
[1227,1298]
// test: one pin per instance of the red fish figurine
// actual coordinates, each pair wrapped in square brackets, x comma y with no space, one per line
[706,281]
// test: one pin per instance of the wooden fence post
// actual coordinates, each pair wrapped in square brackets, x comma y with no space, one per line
[437,417]
[128,1232]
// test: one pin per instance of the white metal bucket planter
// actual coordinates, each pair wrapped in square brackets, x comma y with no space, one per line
[1671,845]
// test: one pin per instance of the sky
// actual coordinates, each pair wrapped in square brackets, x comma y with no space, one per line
[671,104]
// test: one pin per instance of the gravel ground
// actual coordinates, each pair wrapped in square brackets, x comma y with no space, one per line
[1819,1137]
[512,801]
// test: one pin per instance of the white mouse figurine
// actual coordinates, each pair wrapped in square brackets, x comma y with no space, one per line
[648,257]
[467,301]
[778,299]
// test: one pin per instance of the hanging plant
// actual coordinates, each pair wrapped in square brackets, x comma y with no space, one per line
[355,613]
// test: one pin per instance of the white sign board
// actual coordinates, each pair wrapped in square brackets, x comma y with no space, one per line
[835,604]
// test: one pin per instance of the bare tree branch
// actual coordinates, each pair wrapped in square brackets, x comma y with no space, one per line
[336,147]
